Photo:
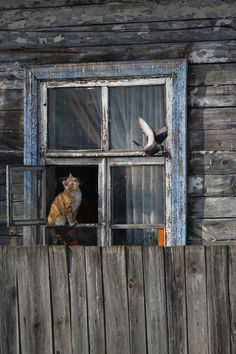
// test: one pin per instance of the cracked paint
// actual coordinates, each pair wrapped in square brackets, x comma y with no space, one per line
[58,38]
[195,184]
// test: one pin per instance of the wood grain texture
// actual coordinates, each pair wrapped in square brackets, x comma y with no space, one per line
[78,296]
[115,13]
[51,33]
[196,297]
[196,52]
[232,296]
[176,300]
[11,99]
[96,324]
[207,74]
[211,230]
[212,96]
[155,299]
[212,207]
[9,331]
[34,300]
[212,185]
[212,162]
[211,119]
[218,300]
[212,140]
[136,304]
[116,301]
[60,299]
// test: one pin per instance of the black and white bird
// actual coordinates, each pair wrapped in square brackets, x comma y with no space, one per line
[155,139]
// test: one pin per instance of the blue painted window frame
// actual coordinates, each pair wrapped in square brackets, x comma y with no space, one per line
[175,69]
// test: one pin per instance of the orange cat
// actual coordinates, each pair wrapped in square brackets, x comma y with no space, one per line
[65,205]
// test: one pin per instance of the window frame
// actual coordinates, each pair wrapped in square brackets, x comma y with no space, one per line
[174,71]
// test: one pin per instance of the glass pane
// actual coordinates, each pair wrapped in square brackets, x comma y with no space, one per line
[68,236]
[26,196]
[126,104]
[135,237]
[74,118]
[138,195]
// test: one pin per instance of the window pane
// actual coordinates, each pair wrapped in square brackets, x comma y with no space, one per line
[138,195]
[126,104]
[88,179]
[74,118]
[69,236]
[26,196]
[134,237]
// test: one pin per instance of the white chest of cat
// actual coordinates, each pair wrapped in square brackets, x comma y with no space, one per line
[66,204]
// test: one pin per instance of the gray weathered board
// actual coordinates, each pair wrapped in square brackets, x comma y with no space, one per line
[36,32]
[148,300]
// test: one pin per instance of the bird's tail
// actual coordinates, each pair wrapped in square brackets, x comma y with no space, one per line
[139,145]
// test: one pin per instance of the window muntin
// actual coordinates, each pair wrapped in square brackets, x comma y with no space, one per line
[108,122]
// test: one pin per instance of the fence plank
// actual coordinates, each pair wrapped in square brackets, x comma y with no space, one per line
[155,300]
[116,304]
[9,332]
[60,299]
[136,300]
[232,296]
[34,300]
[176,300]
[196,300]
[218,300]
[95,301]
[79,328]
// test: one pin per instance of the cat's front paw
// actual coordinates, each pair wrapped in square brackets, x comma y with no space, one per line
[74,223]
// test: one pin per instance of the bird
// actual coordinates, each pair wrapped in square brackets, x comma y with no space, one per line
[155,139]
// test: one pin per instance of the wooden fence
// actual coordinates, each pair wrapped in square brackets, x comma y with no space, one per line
[118,300]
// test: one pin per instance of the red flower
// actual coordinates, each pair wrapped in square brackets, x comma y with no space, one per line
[71,232]
[74,243]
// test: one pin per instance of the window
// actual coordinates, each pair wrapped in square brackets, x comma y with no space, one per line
[82,119]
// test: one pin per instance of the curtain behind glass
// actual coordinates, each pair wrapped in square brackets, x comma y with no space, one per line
[126,104]
[144,195]
[74,118]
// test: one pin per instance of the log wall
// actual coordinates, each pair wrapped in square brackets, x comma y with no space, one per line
[36,32]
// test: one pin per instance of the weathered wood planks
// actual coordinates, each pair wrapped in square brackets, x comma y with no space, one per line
[174,300]
[9,331]
[196,298]
[78,291]
[116,13]
[35,318]
[218,300]
[36,32]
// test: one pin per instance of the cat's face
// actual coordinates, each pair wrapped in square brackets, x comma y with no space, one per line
[71,183]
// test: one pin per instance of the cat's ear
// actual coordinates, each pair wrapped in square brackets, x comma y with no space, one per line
[70,175]
[65,184]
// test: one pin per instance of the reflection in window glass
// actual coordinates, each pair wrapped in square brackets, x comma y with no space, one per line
[26,195]
[135,237]
[126,104]
[74,118]
[138,195]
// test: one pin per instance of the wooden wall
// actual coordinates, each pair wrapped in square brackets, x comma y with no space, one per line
[62,31]
[133,300]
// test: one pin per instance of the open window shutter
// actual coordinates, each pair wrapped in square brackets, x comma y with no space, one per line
[26,194]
